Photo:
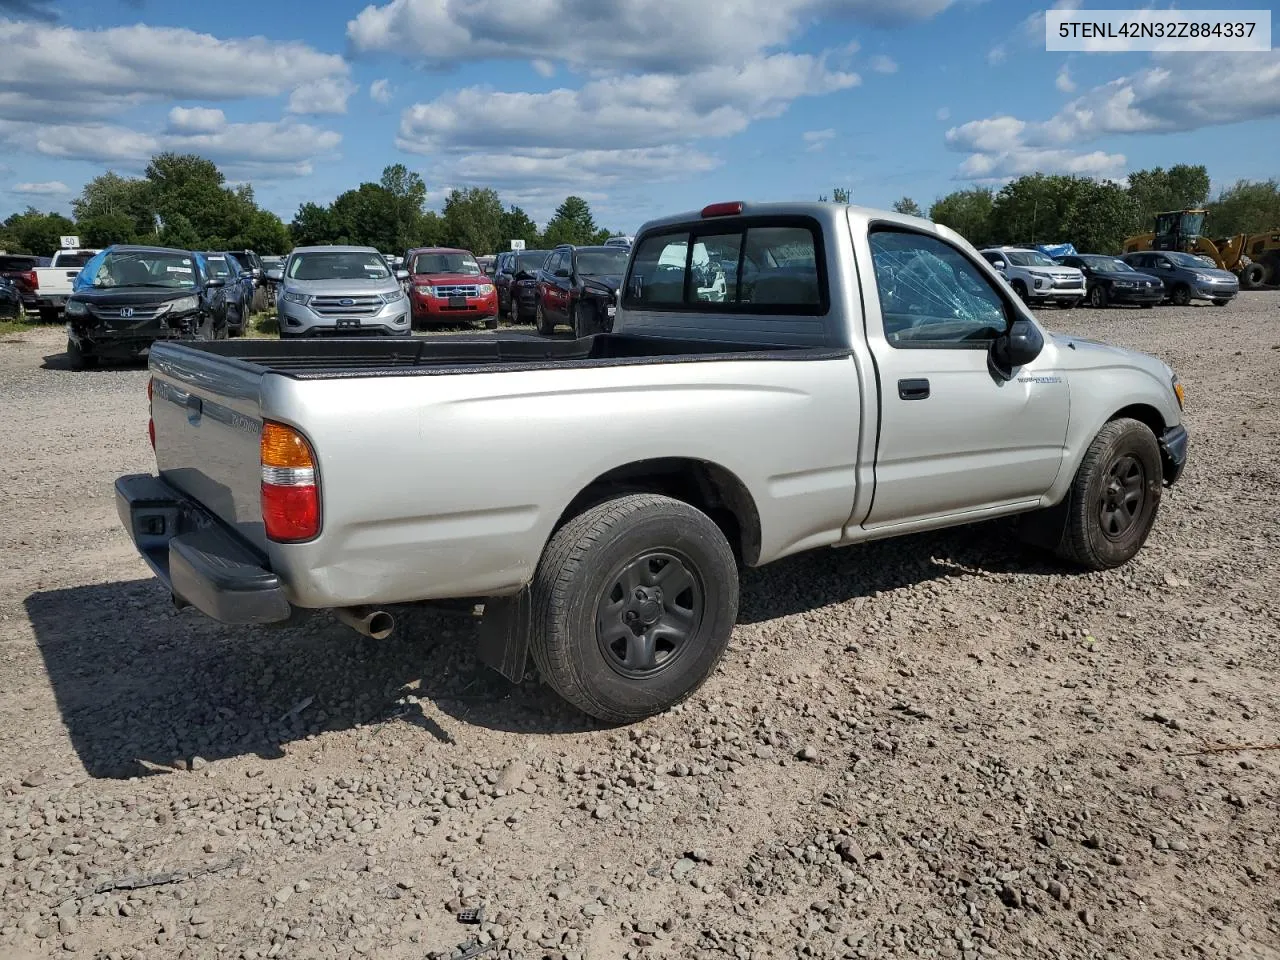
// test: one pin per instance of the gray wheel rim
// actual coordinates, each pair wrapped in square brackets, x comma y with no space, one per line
[649,613]
[1123,496]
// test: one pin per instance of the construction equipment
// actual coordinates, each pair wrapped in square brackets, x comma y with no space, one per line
[1184,230]
[1264,250]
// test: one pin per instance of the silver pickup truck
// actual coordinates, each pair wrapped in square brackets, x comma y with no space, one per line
[864,375]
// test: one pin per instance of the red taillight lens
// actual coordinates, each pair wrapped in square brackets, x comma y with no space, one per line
[290,493]
[151,417]
[730,209]
[33,279]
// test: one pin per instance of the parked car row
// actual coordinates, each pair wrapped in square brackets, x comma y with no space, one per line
[1143,279]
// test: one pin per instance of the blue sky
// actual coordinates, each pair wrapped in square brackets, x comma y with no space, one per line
[644,107]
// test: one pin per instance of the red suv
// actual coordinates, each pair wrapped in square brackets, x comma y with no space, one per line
[446,285]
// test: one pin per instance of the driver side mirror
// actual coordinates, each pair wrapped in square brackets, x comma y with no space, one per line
[214,282]
[1000,265]
[1016,347]
[402,274]
[248,274]
[275,275]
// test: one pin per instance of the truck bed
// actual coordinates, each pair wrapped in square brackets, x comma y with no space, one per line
[326,358]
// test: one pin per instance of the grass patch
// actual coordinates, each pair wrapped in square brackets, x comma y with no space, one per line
[25,323]
[262,325]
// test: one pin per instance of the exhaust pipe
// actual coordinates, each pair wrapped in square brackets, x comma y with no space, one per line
[377,624]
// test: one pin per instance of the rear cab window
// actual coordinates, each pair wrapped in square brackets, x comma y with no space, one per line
[740,265]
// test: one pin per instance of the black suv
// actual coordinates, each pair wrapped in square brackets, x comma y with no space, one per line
[128,297]
[579,286]
[515,274]
[1111,280]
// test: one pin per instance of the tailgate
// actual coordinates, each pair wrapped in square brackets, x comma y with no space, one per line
[207,422]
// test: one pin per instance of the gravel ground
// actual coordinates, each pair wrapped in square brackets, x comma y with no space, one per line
[942,746]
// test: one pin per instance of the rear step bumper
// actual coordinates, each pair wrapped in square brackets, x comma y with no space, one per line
[200,562]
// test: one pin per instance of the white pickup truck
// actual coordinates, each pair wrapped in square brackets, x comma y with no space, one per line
[864,375]
[53,283]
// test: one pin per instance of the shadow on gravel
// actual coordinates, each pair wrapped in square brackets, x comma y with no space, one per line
[140,685]
[60,361]
[820,578]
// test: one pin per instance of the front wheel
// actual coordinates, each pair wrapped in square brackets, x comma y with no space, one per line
[1114,497]
[1220,302]
[491,323]
[1181,295]
[78,358]
[584,319]
[633,603]
[1098,297]
[1020,289]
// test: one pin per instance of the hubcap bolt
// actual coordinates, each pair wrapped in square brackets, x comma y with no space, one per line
[631,616]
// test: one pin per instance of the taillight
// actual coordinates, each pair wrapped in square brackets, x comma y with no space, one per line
[151,415]
[290,495]
[730,209]
[33,279]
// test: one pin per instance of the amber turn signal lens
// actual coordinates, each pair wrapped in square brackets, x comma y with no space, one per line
[1178,392]
[284,447]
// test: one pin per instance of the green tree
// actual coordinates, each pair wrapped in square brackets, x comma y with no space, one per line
[108,198]
[265,233]
[1247,206]
[908,207]
[104,229]
[1157,190]
[408,192]
[572,223]
[838,195]
[968,212]
[473,220]
[365,216]
[38,233]
[192,188]
[516,225]
[312,224]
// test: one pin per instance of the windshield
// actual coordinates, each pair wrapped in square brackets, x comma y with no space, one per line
[446,263]
[1187,260]
[598,263]
[531,260]
[145,268]
[337,266]
[74,259]
[218,265]
[1029,258]
[1107,265]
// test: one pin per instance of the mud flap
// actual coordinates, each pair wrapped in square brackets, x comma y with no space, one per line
[1045,527]
[504,634]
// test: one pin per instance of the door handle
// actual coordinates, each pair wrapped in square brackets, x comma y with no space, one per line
[913,389]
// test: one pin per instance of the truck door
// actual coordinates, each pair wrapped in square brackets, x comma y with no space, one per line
[954,438]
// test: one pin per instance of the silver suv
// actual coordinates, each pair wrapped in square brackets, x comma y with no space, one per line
[343,291]
[1036,278]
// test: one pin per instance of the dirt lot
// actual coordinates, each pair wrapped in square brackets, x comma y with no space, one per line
[943,746]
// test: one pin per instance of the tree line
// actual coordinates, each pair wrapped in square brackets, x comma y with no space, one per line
[1097,216]
[184,201]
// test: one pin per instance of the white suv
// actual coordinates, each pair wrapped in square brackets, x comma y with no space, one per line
[1035,277]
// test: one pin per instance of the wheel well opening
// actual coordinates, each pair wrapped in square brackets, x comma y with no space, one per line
[1143,414]
[715,491]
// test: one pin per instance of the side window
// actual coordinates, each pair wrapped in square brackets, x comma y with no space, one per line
[553,262]
[931,295]
[657,270]
[715,268]
[991,256]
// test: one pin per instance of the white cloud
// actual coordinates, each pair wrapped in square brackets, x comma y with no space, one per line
[884,64]
[992,135]
[186,120]
[544,68]
[943,113]
[46,188]
[122,66]
[651,35]
[380,91]
[597,168]
[1064,82]
[1005,165]
[817,139]
[328,95]
[997,54]
[644,110]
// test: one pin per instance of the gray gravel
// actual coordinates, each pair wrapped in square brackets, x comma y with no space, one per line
[937,747]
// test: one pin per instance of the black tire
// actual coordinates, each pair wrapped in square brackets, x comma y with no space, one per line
[1253,276]
[1147,306]
[1221,303]
[237,328]
[491,323]
[591,562]
[1181,295]
[48,314]
[260,300]
[541,321]
[584,319]
[1068,304]
[1098,297]
[1020,289]
[78,359]
[1114,497]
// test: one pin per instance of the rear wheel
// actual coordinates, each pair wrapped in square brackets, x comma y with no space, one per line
[1181,295]
[1114,497]
[1221,303]
[543,323]
[1020,289]
[1098,296]
[584,319]
[633,604]
[1253,276]
[235,323]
